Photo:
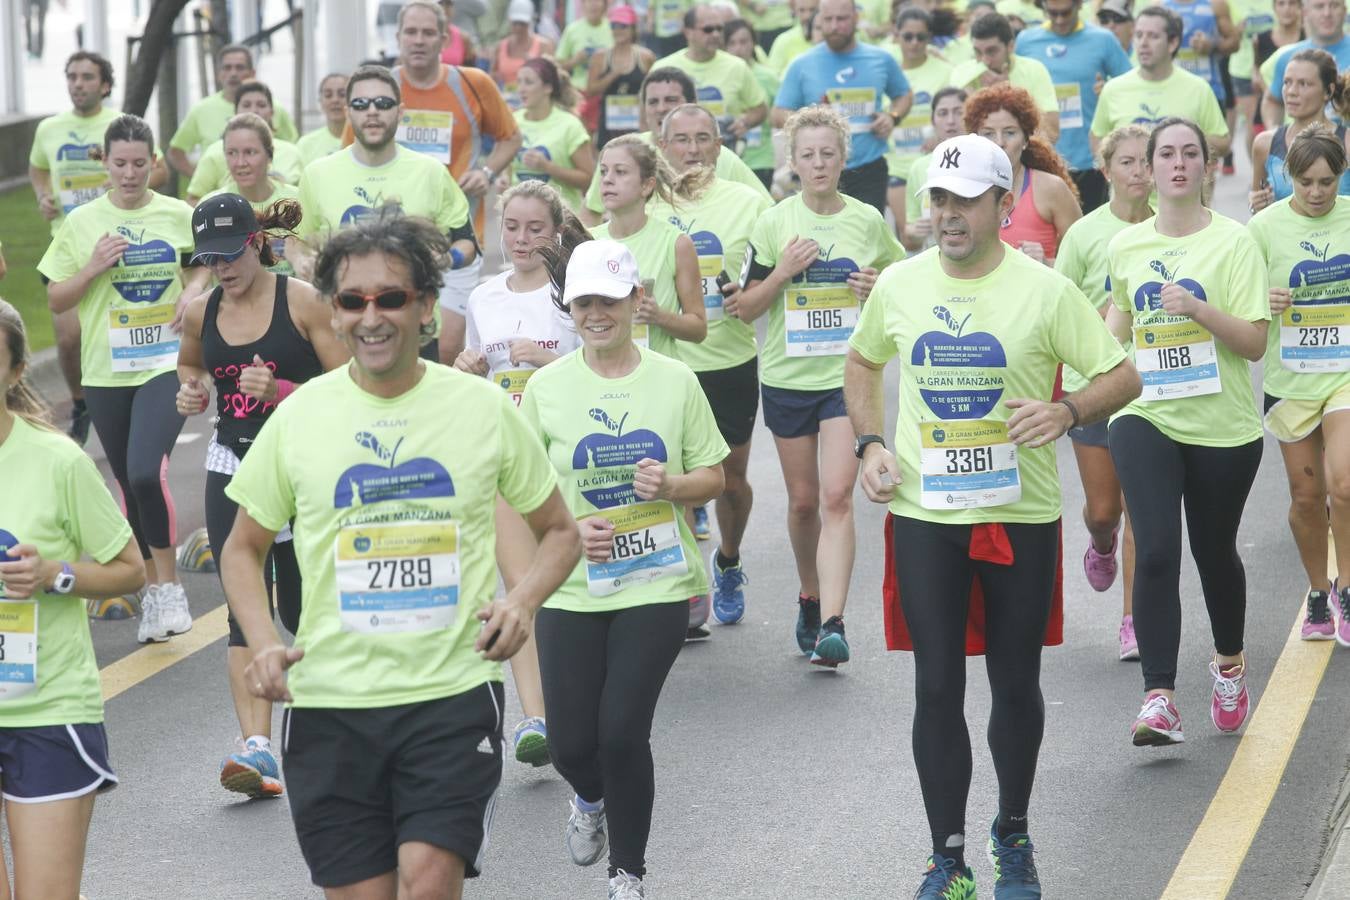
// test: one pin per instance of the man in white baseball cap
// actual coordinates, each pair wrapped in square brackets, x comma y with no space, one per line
[972,489]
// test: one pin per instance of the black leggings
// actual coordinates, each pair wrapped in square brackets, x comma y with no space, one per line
[281,570]
[603,674]
[137,427]
[1158,475]
[934,572]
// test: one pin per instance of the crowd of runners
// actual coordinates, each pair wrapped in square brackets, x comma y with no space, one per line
[424,468]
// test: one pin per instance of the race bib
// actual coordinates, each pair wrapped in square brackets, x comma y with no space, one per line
[140,338]
[755,138]
[1315,338]
[819,320]
[622,112]
[427,131]
[513,381]
[907,138]
[18,648]
[858,105]
[1070,98]
[395,578]
[646,547]
[79,189]
[669,18]
[709,267]
[1193,62]
[1176,360]
[967,465]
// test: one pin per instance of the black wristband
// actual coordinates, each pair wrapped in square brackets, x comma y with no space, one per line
[1073,410]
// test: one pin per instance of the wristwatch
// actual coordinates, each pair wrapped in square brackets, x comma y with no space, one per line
[487,170]
[65,580]
[896,118]
[861,442]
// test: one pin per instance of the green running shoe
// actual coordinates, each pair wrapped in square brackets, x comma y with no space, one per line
[945,880]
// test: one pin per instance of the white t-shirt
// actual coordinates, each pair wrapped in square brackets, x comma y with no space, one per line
[496,315]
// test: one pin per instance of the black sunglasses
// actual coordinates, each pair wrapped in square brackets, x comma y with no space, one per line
[355,301]
[383,104]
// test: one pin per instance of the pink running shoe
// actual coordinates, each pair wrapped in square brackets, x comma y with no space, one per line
[1100,568]
[1229,707]
[1318,622]
[1129,647]
[1341,611]
[1158,723]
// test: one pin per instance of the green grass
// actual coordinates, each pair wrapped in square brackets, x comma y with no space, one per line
[25,235]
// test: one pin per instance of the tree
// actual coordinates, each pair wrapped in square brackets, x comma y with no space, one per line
[155,42]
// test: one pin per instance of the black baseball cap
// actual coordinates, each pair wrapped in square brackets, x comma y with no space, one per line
[222,224]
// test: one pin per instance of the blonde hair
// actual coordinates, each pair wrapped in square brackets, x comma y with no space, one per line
[250,122]
[817,117]
[1111,143]
[570,229]
[20,398]
[651,164]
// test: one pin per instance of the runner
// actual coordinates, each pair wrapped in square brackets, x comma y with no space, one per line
[719,216]
[1303,241]
[758,151]
[584,38]
[609,636]
[1311,85]
[949,106]
[393,741]
[459,48]
[810,264]
[1324,23]
[212,172]
[724,84]
[328,139]
[1288,30]
[951,320]
[614,78]
[555,147]
[65,174]
[1079,58]
[994,63]
[867,87]
[1117,17]
[1045,199]
[53,748]
[1082,259]
[1188,289]
[796,40]
[248,153]
[1207,34]
[1252,19]
[926,74]
[513,331]
[520,44]
[117,259]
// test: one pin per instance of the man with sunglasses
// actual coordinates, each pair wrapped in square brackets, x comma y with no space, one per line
[1117,17]
[1079,58]
[377,171]
[393,735]
[724,84]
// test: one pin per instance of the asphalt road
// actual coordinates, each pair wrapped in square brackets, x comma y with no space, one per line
[776,779]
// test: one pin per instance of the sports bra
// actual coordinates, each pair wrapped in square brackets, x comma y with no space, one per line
[1026,224]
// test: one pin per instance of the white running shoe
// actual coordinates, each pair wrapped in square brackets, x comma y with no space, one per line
[585,835]
[174,615]
[626,887]
[150,628]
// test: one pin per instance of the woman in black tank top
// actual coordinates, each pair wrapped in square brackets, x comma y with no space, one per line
[256,336]
[615,78]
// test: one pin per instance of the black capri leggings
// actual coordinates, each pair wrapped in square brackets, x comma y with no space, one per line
[1158,475]
[934,572]
[281,570]
[603,673]
[137,427]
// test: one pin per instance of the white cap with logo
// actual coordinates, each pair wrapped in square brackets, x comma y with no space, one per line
[968,165]
[600,268]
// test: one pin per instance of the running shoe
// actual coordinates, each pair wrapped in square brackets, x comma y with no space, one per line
[585,836]
[1100,568]
[1015,875]
[174,615]
[531,742]
[945,880]
[1343,616]
[252,771]
[728,596]
[697,633]
[626,887]
[1158,723]
[79,423]
[702,529]
[1231,701]
[698,610]
[831,647]
[1129,645]
[1318,623]
[151,627]
[808,623]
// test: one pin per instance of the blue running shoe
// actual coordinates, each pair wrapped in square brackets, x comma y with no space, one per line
[728,599]
[831,647]
[1015,875]
[945,880]
[253,771]
[702,530]
[808,623]
[531,740]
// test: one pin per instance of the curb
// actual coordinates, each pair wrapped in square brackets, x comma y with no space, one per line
[1333,875]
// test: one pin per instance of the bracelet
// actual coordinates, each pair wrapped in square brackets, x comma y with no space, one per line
[456,258]
[1073,410]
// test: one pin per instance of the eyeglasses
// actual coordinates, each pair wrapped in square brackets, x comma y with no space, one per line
[217,259]
[910,37]
[711,29]
[355,301]
[1109,18]
[383,104]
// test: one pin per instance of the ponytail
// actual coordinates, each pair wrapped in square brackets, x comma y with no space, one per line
[282,216]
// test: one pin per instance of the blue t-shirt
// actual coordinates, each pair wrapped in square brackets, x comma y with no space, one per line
[858,83]
[1197,17]
[1340,50]
[1075,60]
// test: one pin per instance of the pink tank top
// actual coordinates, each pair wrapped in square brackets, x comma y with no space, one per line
[508,66]
[1026,224]
[453,52]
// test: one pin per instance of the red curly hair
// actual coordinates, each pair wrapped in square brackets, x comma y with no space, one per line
[1038,154]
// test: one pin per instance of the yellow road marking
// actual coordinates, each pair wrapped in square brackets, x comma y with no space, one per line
[1216,851]
[152,659]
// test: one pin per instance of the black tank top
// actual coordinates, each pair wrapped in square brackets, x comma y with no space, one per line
[628,85]
[1265,46]
[239,417]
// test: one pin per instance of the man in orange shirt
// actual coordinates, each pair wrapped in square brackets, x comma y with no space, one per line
[447,112]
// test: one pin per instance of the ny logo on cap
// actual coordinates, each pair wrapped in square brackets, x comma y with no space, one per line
[951,158]
[613,266]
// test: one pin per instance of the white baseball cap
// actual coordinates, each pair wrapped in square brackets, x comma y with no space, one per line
[600,268]
[968,165]
[520,11]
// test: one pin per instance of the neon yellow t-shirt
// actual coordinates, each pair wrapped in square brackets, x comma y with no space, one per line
[758,152]
[1029,74]
[1196,390]
[786,47]
[61,146]
[280,191]
[728,166]
[558,135]
[1131,99]
[725,84]
[916,199]
[907,137]
[213,171]
[207,118]
[719,223]
[581,35]
[125,338]
[394,529]
[54,499]
[337,190]
[653,247]
[317,144]
[596,430]
[804,351]
[1306,349]
[966,347]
